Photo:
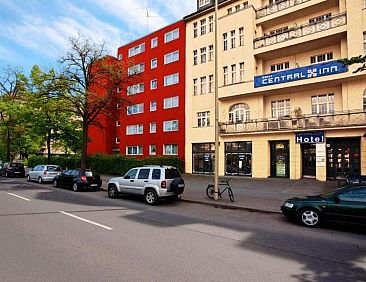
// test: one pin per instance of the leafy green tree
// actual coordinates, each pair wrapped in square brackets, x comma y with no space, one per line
[358,60]
[93,80]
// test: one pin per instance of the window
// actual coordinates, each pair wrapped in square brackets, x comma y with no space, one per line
[241,72]
[153,84]
[171,57]
[171,79]
[278,30]
[232,33]
[224,37]
[154,63]
[119,89]
[172,35]
[144,173]
[203,119]
[136,50]
[171,149]
[133,150]
[132,173]
[118,123]
[320,18]
[195,57]
[322,104]
[120,56]
[154,42]
[280,108]
[203,3]
[153,106]
[226,78]
[195,86]
[135,89]
[118,106]
[203,55]
[280,66]
[203,26]
[321,58]
[118,140]
[134,129]
[355,195]
[195,30]
[210,83]
[233,73]
[152,152]
[172,102]
[241,36]
[156,172]
[170,125]
[239,113]
[136,69]
[210,24]
[210,53]
[364,100]
[237,8]
[152,127]
[135,109]
[203,85]
[229,11]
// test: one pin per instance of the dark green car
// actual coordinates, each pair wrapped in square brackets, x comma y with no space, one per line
[347,204]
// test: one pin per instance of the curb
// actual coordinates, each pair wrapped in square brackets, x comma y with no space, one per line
[222,206]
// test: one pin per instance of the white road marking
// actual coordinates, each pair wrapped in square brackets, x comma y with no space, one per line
[88,221]
[20,197]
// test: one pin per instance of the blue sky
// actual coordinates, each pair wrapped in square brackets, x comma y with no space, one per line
[36,31]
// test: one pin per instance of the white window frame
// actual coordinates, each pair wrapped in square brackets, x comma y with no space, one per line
[203,55]
[118,106]
[203,26]
[135,129]
[139,68]
[171,79]
[226,75]
[195,86]
[224,38]
[152,127]
[119,89]
[241,72]
[195,57]
[118,123]
[202,3]
[232,39]
[120,57]
[203,119]
[233,74]
[174,34]
[170,125]
[210,24]
[203,85]
[153,84]
[154,42]
[133,51]
[239,113]
[210,52]
[195,30]
[280,108]
[152,107]
[138,150]
[135,109]
[280,66]
[171,102]
[118,140]
[135,89]
[171,57]
[154,63]
[172,151]
[322,104]
[320,58]
[241,36]
[152,150]
[210,83]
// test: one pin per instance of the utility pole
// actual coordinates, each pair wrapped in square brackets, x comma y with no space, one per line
[216,178]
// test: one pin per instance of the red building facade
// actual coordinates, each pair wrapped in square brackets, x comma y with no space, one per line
[153,122]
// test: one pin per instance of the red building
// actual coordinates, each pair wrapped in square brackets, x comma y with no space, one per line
[153,123]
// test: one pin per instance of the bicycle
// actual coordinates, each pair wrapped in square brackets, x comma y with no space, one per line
[210,190]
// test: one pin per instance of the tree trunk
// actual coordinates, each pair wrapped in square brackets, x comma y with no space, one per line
[84,145]
[8,143]
[49,147]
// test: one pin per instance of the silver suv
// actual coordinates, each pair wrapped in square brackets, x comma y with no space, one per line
[152,182]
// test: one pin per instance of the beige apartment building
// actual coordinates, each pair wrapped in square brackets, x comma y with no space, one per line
[287,106]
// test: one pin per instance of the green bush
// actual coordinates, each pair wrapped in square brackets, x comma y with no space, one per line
[107,164]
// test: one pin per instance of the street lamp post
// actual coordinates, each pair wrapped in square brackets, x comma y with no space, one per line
[216,177]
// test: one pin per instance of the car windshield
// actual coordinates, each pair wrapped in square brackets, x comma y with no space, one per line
[16,165]
[331,193]
[53,168]
[88,173]
[171,173]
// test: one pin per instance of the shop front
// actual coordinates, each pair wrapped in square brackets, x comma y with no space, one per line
[203,158]
[280,159]
[238,158]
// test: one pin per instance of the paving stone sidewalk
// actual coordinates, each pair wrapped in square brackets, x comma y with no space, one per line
[260,195]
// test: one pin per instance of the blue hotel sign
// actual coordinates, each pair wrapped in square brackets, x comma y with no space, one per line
[307,72]
[310,137]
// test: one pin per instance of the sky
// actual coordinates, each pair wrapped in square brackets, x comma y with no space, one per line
[36,32]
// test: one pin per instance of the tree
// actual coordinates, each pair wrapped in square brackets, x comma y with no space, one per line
[93,79]
[361,59]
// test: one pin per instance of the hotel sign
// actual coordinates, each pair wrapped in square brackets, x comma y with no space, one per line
[310,138]
[307,72]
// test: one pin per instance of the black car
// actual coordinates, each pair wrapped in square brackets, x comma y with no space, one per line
[12,169]
[346,204]
[78,179]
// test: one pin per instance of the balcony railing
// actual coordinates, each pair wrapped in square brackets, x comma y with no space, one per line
[334,120]
[300,31]
[277,7]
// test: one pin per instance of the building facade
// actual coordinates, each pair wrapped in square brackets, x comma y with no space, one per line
[153,121]
[287,106]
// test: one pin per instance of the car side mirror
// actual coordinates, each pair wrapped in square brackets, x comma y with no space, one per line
[127,177]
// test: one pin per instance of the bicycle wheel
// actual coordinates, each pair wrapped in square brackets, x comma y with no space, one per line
[231,195]
[210,191]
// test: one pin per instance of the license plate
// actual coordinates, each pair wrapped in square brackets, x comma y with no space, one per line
[180,185]
[94,185]
[16,172]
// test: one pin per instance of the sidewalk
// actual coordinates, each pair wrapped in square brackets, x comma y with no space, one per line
[260,195]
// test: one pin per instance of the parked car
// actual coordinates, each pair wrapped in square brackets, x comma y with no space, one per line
[152,182]
[78,179]
[12,169]
[346,204]
[43,173]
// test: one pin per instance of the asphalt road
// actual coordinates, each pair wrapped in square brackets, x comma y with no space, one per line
[53,234]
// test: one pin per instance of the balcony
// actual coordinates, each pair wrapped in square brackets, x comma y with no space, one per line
[300,31]
[305,122]
[277,7]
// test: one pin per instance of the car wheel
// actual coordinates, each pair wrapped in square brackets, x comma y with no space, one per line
[28,178]
[310,217]
[151,198]
[112,191]
[55,183]
[75,187]
[40,180]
